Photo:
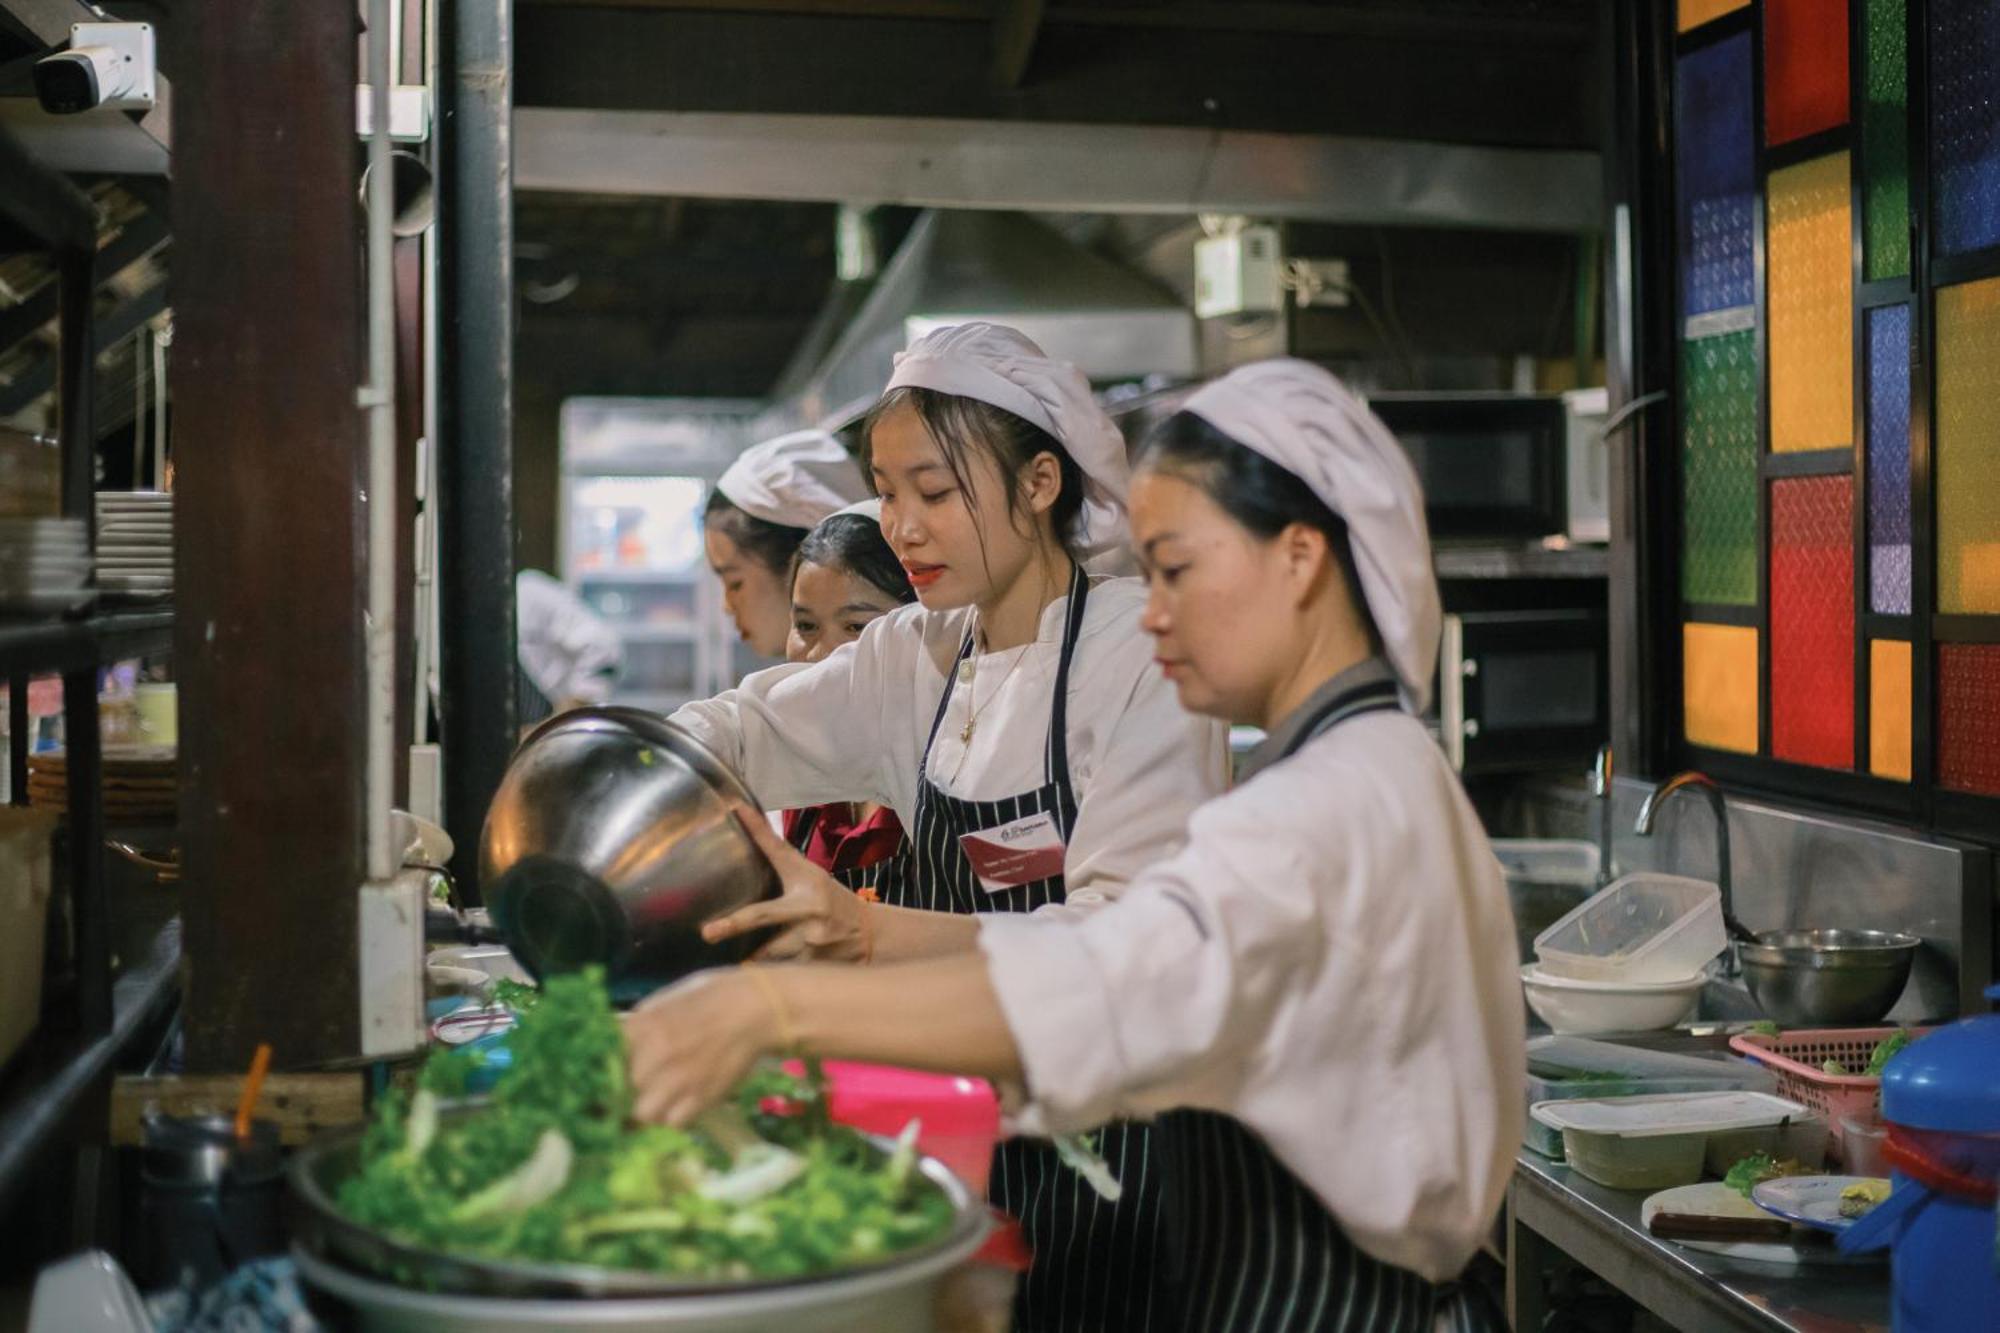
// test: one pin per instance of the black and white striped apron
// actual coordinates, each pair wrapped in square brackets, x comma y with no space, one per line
[1095,1262]
[1256,1250]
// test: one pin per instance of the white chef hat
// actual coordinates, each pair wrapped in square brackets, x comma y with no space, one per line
[795,480]
[1310,424]
[1001,366]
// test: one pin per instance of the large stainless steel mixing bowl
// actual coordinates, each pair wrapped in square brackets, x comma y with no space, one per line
[1827,978]
[612,840]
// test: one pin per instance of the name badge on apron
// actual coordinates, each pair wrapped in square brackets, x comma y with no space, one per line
[1010,855]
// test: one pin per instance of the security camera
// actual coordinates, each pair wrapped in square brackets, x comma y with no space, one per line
[107,65]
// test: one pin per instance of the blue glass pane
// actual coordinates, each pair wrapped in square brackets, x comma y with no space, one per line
[1965,123]
[1889,460]
[1715,149]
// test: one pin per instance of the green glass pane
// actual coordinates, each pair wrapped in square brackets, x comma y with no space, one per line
[1885,152]
[1719,469]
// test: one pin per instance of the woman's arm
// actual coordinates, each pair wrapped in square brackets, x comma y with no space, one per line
[693,1042]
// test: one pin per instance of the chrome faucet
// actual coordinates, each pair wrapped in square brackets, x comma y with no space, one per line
[1600,787]
[1701,782]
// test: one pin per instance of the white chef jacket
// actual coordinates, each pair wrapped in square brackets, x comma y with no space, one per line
[852,728]
[1330,960]
[566,649]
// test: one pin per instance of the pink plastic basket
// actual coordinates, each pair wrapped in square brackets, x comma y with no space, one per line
[1796,1059]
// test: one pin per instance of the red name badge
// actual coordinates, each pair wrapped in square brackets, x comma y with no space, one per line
[1027,850]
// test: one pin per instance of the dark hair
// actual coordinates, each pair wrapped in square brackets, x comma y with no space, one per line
[769,544]
[963,425]
[854,545]
[1250,488]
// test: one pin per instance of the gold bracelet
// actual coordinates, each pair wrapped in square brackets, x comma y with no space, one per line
[788,1035]
[867,920]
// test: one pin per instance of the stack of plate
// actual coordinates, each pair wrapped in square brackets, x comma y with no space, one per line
[44,564]
[139,783]
[135,542]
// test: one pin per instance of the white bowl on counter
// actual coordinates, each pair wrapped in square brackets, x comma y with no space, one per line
[1574,1005]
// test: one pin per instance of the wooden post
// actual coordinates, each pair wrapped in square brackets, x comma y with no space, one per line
[268,307]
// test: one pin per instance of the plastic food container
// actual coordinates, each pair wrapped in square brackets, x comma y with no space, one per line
[1567,1068]
[1803,1140]
[1645,927]
[1655,1143]
[1570,1004]
[1861,1139]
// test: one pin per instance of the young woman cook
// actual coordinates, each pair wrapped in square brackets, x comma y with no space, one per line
[762,508]
[845,577]
[1317,993]
[1012,720]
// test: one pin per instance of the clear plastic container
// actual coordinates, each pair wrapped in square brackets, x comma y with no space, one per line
[1566,1068]
[1620,1163]
[1645,927]
[1655,1143]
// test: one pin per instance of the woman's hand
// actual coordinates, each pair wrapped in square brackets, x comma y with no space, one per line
[691,1043]
[815,916]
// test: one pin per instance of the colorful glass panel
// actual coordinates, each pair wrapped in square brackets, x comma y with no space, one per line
[1719,469]
[1805,68]
[1715,158]
[1889,460]
[1968,448]
[1719,686]
[1812,620]
[1811,301]
[1968,718]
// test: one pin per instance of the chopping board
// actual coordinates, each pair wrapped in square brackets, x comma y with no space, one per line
[1715,1199]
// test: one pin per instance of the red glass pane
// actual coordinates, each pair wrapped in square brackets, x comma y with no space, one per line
[1968,707]
[1812,621]
[1805,68]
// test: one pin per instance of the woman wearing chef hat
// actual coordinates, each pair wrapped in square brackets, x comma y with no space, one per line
[760,511]
[1013,721]
[1316,994]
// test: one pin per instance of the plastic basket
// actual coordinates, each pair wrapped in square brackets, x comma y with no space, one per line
[1795,1058]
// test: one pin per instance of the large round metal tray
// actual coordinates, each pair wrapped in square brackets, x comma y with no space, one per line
[320,1229]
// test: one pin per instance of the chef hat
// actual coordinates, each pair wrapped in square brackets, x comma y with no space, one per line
[795,480]
[1001,366]
[1308,423]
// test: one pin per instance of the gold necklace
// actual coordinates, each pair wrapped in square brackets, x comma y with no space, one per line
[970,673]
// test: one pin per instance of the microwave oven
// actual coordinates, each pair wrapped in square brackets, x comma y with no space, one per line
[1506,466]
[1522,689]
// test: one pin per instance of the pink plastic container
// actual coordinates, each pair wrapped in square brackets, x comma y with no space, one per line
[958,1118]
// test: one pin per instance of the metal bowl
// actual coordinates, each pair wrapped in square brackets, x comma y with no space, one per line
[1828,978]
[395,1271]
[612,840]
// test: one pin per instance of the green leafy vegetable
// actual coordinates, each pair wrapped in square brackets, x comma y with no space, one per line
[1764,1027]
[1759,1167]
[1886,1050]
[1837,1069]
[549,1169]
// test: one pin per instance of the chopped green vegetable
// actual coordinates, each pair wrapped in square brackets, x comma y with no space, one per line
[549,1169]
[1837,1069]
[1759,1167]
[1764,1027]
[1886,1050]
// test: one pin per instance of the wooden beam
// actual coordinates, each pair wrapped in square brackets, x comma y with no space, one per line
[303,1105]
[268,635]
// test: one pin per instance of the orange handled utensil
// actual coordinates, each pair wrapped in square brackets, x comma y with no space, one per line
[246,1106]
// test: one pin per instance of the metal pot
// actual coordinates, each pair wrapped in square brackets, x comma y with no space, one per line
[1828,978]
[612,839]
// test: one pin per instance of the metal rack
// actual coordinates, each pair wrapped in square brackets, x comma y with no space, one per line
[40,210]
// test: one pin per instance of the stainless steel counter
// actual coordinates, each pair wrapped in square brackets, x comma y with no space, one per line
[1552,1211]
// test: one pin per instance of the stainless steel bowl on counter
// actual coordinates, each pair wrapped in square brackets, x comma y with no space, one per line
[343,1267]
[612,840]
[1827,978]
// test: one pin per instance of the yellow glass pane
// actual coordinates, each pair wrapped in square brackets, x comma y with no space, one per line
[1810,277]
[1694,13]
[1968,447]
[1719,698]
[1889,709]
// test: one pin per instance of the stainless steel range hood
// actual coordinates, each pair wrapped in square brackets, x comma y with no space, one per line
[1006,267]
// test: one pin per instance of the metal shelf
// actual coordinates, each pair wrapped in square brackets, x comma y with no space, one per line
[1521,562]
[36,647]
[663,578]
[49,1081]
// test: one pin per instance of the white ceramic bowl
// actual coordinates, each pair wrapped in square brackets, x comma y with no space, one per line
[1570,1004]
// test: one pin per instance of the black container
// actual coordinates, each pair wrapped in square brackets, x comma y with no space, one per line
[208,1201]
